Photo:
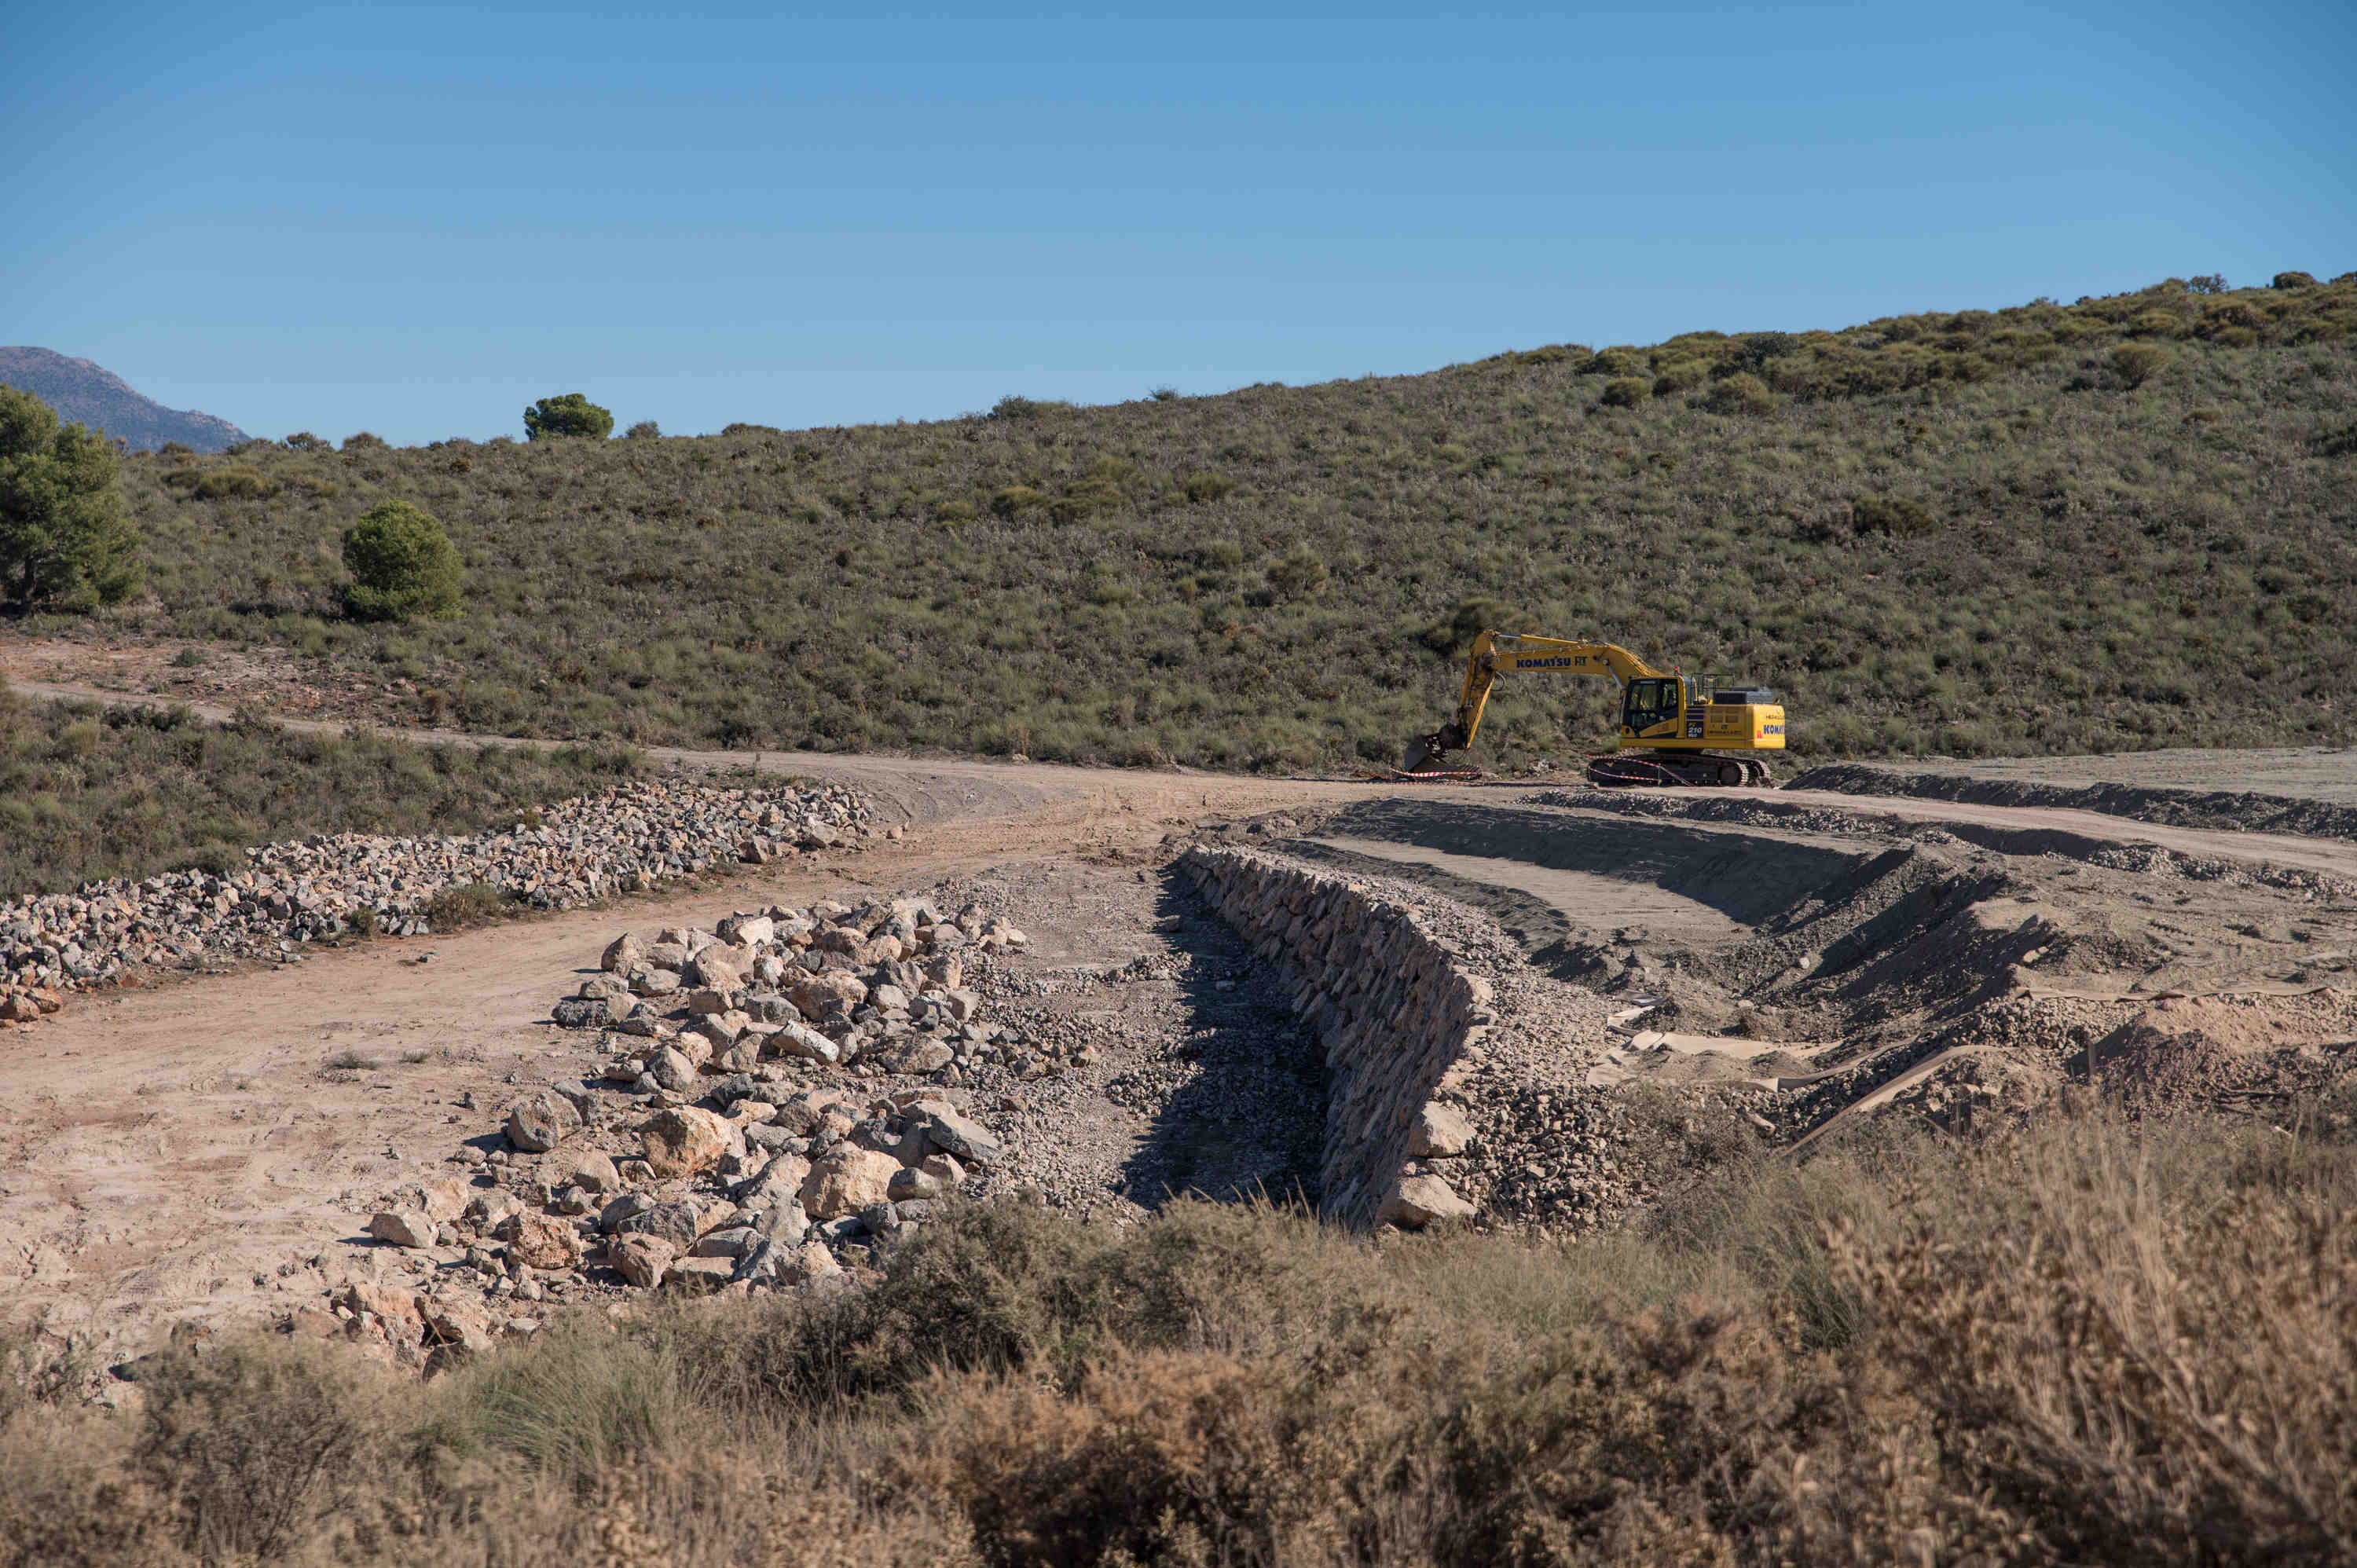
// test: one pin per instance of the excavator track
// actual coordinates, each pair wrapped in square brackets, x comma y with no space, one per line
[1694,769]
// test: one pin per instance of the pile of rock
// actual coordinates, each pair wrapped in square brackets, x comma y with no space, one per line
[575,852]
[790,1191]
[881,987]
[744,1131]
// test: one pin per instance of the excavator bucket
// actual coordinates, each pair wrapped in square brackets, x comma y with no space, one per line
[1422,752]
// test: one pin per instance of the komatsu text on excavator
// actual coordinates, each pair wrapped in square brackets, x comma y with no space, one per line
[1676,729]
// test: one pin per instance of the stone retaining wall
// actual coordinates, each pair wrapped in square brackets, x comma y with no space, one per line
[1395,1011]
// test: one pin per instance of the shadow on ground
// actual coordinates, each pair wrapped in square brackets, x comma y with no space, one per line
[1249,1120]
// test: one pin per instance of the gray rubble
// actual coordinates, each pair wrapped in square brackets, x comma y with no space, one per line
[563,856]
[776,1101]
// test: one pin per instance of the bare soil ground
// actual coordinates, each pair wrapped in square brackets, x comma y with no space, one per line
[209,1147]
[2306,772]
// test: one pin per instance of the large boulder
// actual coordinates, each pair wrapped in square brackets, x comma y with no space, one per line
[587,1170]
[1441,1132]
[621,953]
[640,1259]
[802,1040]
[718,969]
[1416,1201]
[687,1140]
[828,988]
[676,1220]
[948,1131]
[538,1241]
[402,1228]
[389,1302]
[539,1125]
[847,1181]
[455,1321]
[746,931]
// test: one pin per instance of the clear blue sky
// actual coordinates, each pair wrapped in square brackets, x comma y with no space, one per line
[415,219]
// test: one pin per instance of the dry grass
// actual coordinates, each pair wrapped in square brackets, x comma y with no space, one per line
[2093,1342]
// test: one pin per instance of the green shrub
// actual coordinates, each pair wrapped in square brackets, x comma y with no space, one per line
[2293,280]
[1680,375]
[1902,515]
[235,483]
[568,415]
[2136,364]
[1202,488]
[363,441]
[1300,574]
[1740,393]
[304,441]
[1625,392]
[1016,500]
[66,537]
[402,566]
[463,908]
[1621,360]
[644,430]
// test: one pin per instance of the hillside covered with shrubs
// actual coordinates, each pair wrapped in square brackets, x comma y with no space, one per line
[2122,523]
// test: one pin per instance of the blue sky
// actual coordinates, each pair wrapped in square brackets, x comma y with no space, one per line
[415,219]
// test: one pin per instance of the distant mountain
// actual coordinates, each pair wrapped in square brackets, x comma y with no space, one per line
[83,393]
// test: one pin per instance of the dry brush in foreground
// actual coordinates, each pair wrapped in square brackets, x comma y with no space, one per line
[2089,1343]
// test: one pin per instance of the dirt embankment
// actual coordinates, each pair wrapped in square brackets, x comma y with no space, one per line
[2221,811]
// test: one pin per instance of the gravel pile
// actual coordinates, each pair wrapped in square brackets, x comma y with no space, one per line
[779,1099]
[565,856]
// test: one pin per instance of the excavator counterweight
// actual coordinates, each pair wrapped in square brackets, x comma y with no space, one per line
[1676,729]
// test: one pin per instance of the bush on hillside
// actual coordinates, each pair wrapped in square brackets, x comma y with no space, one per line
[1300,574]
[568,415]
[402,566]
[1625,392]
[644,430]
[1902,515]
[1741,393]
[2293,280]
[66,538]
[234,482]
[2136,364]
[304,441]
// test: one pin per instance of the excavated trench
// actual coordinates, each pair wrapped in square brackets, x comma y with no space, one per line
[1846,963]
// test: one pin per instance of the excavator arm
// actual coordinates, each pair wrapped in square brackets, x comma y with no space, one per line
[1496,650]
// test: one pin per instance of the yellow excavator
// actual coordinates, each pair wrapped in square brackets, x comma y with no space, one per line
[1676,729]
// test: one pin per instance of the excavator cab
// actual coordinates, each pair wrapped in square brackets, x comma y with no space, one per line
[1647,703]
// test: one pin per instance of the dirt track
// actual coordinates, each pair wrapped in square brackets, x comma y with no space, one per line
[190,1150]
